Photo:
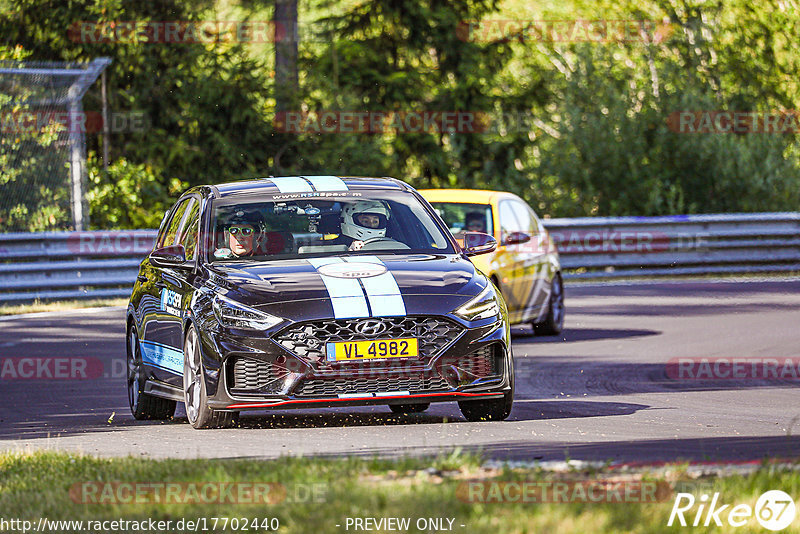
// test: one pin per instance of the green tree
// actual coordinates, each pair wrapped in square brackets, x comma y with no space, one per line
[203,101]
[388,56]
[606,147]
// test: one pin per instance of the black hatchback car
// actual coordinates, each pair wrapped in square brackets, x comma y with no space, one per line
[314,291]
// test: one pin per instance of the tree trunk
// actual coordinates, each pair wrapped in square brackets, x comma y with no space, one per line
[286,36]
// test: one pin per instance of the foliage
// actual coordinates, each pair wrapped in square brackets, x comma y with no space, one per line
[33,199]
[136,187]
[202,100]
[612,151]
[576,127]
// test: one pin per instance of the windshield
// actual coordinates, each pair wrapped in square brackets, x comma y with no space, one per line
[266,228]
[465,217]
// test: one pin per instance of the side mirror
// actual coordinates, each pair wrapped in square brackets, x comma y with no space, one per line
[476,243]
[517,238]
[173,256]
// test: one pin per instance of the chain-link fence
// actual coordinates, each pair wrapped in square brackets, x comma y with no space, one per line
[43,144]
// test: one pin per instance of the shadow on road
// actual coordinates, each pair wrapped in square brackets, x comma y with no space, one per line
[700,288]
[521,333]
[72,421]
[332,420]
[655,309]
[543,377]
[523,410]
[532,409]
[661,450]
[753,297]
[657,451]
[544,388]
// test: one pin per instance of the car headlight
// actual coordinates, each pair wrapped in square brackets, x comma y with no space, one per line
[484,306]
[231,314]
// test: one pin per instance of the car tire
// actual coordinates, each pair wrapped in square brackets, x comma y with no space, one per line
[553,324]
[487,410]
[194,389]
[143,405]
[409,408]
[490,410]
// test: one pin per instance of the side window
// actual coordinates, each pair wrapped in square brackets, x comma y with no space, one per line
[508,221]
[526,218]
[190,231]
[535,222]
[458,217]
[172,226]
[162,229]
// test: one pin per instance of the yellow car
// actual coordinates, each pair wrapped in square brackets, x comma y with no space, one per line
[525,266]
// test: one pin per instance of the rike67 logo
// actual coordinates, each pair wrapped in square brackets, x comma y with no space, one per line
[774,510]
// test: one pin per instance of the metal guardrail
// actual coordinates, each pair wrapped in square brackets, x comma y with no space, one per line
[104,264]
[622,247]
[56,265]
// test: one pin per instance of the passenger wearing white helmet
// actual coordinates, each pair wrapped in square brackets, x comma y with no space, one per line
[364,220]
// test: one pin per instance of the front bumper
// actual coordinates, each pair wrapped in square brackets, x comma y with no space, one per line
[418,398]
[450,375]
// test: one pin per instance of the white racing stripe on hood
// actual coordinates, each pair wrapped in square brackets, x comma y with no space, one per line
[346,294]
[347,297]
[382,291]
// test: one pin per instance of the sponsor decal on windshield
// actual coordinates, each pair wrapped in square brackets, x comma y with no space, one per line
[316,194]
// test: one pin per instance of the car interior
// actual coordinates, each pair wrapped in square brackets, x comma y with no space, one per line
[300,228]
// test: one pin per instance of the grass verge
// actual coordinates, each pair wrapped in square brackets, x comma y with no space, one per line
[319,495]
[59,305]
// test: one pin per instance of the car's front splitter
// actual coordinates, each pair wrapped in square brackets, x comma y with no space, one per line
[366,399]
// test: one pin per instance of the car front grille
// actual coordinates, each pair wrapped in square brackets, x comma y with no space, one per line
[307,340]
[383,384]
[248,375]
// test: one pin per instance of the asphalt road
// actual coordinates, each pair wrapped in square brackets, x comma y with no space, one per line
[599,392]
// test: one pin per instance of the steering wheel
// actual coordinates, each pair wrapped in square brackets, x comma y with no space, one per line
[384,243]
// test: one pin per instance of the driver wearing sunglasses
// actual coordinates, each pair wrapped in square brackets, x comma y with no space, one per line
[240,240]
[243,233]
